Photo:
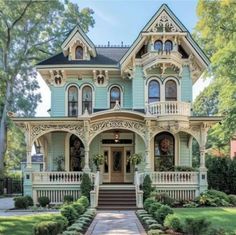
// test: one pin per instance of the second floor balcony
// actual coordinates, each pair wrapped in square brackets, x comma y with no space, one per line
[166,108]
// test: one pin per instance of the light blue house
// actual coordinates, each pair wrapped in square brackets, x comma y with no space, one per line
[118,101]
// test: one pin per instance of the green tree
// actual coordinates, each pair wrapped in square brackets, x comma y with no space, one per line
[216,33]
[30,31]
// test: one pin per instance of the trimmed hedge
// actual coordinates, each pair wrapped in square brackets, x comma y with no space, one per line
[70,213]
[83,201]
[43,201]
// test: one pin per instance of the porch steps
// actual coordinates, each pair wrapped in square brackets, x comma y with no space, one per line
[116,197]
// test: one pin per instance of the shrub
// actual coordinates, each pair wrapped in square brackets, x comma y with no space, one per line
[150,221]
[86,185]
[47,228]
[190,205]
[78,207]
[63,222]
[161,213]
[84,201]
[154,207]
[148,202]
[76,227]
[155,226]
[155,232]
[173,222]
[30,200]
[70,213]
[71,233]
[196,226]
[68,199]
[232,199]
[147,187]
[164,198]
[43,201]
[21,202]
[184,168]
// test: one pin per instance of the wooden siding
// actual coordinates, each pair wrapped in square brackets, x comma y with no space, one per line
[186,85]
[185,150]
[138,88]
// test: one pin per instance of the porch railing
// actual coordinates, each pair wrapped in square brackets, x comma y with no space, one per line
[169,108]
[58,177]
[138,191]
[94,193]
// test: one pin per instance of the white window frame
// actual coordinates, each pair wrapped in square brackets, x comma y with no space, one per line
[121,95]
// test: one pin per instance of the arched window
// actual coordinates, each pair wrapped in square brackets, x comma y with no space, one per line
[164,152]
[87,99]
[76,154]
[158,45]
[114,96]
[153,91]
[79,53]
[171,91]
[168,46]
[72,101]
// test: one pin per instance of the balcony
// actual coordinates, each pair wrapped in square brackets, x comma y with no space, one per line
[166,108]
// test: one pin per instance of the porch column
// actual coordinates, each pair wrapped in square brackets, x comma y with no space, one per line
[202,157]
[86,162]
[29,159]
[148,147]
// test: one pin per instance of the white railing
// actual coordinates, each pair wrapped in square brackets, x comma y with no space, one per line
[169,108]
[94,193]
[139,193]
[171,178]
[58,177]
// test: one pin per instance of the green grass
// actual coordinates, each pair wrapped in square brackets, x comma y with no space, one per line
[220,217]
[21,225]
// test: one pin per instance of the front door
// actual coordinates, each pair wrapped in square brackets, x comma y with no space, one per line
[117,168]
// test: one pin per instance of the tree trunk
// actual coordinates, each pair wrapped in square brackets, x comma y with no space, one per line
[3,128]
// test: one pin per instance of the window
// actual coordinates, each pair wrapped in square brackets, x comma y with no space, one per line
[158,46]
[114,96]
[153,91]
[164,152]
[168,46]
[72,101]
[87,99]
[79,53]
[171,91]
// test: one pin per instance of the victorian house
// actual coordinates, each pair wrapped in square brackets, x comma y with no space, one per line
[118,101]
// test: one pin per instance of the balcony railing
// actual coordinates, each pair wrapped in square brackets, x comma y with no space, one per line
[169,108]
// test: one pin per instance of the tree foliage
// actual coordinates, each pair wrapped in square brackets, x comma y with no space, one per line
[216,33]
[30,31]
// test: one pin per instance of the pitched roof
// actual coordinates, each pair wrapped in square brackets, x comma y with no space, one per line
[105,56]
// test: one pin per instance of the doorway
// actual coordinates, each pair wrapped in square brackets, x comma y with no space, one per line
[117,165]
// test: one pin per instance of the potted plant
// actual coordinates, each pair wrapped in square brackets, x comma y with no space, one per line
[98,160]
[135,159]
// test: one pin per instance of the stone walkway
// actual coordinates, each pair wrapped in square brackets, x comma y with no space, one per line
[116,223]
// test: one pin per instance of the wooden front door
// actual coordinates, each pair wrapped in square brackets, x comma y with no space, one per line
[117,162]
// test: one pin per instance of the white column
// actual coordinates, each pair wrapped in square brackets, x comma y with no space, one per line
[86,162]
[29,159]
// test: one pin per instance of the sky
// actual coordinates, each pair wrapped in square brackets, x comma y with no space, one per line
[119,21]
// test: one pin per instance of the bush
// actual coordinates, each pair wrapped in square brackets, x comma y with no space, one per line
[43,201]
[76,227]
[68,199]
[21,202]
[155,232]
[164,198]
[154,207]
[47,228]
[63,222]
[30,200]
[184,168]
[71,233]
[86,185]
[173,222]
[147,187]
[190,205]
[155,226]
[196,226]
[84,201]
[78,207]
[232,199]
[70,213]
[148,202]
[161,213]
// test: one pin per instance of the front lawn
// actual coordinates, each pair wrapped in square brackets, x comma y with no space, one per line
[21,225]
[220,217]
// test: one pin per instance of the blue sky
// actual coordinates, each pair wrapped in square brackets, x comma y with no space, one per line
[122,20]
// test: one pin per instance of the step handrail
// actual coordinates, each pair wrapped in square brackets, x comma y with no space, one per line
[94,193]
[139,193]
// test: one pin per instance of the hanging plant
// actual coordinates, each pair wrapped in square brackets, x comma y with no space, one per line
[135,159]
[98,160]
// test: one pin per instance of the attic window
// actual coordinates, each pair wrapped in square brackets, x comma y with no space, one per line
[168,46]
[79,53]
[158,45]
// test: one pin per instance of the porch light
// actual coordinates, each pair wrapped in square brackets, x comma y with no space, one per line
[116,136]
[37,149]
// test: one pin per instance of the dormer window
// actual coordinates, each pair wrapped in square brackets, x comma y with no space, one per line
[158,46]
[79,53]
[73,101]
[168,46]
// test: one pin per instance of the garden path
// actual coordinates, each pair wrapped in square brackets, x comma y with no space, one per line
[116,223]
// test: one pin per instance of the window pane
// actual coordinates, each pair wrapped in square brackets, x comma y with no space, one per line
[114,96]
[168,46]
[171,90]
[87,99]
[72,101]
[153,91]
[158,45]
[79,53]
